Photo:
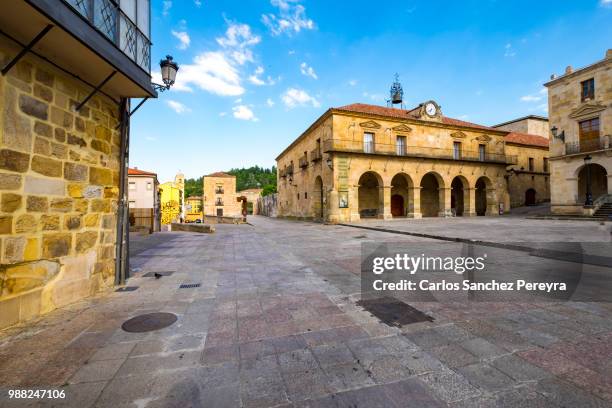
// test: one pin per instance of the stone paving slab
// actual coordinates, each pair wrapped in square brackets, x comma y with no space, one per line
[275,324]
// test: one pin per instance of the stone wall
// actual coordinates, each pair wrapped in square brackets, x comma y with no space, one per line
[523,179]
[59,177]
[268,205]
[231,207]
[528,125]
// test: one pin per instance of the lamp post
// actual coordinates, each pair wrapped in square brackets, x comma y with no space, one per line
[589,195]
[169,69]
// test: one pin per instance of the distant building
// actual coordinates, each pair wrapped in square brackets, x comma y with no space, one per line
[532,124]
[220,195]
[251,195]
[172,195]
[143,194]
[580,111]
[193,208]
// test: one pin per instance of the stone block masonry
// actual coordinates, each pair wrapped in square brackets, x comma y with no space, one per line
[59,184]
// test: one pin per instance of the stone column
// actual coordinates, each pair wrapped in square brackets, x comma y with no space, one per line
[354,203]
[333,213]
[444,202]
[492,203]
[384,200]
[469,208]
[609,183]
[414,203]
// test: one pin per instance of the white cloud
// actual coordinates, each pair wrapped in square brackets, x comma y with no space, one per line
[166,6]
[198,3]
[183,38]
[606,3]
[291,52]
[308,71]
[352,82]
[222,114]
[535,97]
[291,18]
[509,51]
[375,97]
[296,97]
[243,112]
[210,71]
[254,79]
[178,107]
[269,102]
[238,41]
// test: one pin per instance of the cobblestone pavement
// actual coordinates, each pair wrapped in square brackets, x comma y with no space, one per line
[275,323]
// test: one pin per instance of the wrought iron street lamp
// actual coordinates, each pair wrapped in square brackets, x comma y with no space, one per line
[589,195]
[169,69]
[554,132]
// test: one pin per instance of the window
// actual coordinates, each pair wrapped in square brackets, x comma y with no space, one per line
[132,185]
[368,142]
[456,150]
[132,204]
[219,201]
[219,189]
[298,195]
[545,165]
[588,90]
[531,165]
[482,153]
[589,129]
[149,185]
[400,146]
[219,212]
[305,195]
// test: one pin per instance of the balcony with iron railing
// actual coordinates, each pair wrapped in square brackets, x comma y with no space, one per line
[355,146]
[219,202]
[586,146]
[219,190]
[315,154]
[108,18]
[303,162]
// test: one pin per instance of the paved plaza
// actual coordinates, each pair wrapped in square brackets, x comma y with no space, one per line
[275,323]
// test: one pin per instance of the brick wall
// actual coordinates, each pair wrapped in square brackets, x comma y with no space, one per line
[59,178]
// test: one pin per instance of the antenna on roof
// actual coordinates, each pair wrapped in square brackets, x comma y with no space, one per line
[396,94]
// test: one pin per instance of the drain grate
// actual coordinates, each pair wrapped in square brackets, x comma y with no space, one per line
[162,273]
[148,322]
[127,289]
[189,285]
[394,312]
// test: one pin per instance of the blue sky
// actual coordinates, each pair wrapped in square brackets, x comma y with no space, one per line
[256,73]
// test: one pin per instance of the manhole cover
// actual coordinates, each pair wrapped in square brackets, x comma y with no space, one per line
[394,312]
[148,322]
[189,285]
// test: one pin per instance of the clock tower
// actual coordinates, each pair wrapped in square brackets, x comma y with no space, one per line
[429,110]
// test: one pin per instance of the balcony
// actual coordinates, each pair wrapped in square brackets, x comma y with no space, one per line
[289,170]
[109,19]
[219,191]
[315,155]
[349,146]
[303,162]
[585,146]
[219,202]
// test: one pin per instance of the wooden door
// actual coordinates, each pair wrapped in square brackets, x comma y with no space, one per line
[397,205]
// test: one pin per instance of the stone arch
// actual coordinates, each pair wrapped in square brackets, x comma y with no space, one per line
[402,195]
[460,196]
[370,195]
[599,181]
[432,194]
[485,195]
[317,198]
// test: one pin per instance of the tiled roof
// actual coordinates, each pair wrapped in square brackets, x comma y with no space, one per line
[219,174]
[527,139]
[404,114]
[137,172]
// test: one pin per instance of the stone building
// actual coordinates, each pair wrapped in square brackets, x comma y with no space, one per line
[144,199]
[580,111]
[531,124]
[220,196]
[64,100]
[251,195]
[360,161]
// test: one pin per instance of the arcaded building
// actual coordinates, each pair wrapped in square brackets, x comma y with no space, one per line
[580,111]
[360,161]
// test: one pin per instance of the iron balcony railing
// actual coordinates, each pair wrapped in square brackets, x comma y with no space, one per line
[584,146]
[315,155]
[337,145]
[303,162]
[218,202]
[219,191]
[107,17]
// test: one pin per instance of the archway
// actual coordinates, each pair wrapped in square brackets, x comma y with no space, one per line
[401,195]
[460,196]
[369,195]
[317,198]
[431,188]
[599,182]
[530,197]
[484,189]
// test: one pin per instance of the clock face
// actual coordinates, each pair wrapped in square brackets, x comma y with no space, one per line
[430,109]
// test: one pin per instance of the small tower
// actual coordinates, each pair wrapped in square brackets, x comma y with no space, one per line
[396,94]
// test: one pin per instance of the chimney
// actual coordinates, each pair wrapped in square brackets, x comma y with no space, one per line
[568,70]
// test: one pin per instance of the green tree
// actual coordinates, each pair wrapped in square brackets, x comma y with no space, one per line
[193,187]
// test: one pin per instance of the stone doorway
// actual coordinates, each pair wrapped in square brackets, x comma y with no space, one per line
[481,197]
[530,197]
[369,195]
[430,195]
[599,182]
[397,205]
[459,188]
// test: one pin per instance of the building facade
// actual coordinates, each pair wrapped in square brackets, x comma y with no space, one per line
[220,196]
[361,161]
[193,209]
[532,124]
[529,178]
[144,199]
[251,195]
[172,194]
[580,111]
[64,98]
